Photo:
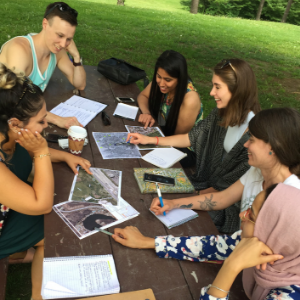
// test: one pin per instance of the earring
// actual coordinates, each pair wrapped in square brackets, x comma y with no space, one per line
[270,153]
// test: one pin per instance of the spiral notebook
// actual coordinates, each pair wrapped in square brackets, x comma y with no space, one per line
[177,217]
[78,276]
[83,109]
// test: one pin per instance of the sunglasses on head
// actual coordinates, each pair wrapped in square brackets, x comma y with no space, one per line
[63,8]
[225,63]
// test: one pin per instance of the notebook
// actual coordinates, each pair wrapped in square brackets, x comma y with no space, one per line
[83,109]
[79,276]
[164,158]
[182,183]
[126,111]
[176,217]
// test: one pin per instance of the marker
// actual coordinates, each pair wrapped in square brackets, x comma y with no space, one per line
[160,197]
[103,231]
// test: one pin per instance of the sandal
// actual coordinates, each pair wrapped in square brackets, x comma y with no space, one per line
[27,259]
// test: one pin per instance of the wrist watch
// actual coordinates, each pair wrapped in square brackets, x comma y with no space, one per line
[77,64]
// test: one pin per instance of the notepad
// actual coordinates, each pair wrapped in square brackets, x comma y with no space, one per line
[83,109]
[126,111]
[176,217]
[164,158]
[78,276]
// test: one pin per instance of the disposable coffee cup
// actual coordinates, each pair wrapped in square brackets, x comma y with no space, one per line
[76,136]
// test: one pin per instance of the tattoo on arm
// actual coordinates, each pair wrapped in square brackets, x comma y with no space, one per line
[208,204]
[186,206]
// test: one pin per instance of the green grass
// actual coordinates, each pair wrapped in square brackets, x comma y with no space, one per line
[141,30]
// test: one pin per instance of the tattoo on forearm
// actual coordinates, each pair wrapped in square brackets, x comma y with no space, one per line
[208,204]
[186,206]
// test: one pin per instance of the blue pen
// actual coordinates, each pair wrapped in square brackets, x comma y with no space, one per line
[160,197]
[122,143]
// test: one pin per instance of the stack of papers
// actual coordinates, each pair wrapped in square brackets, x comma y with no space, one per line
[75,276]
[83,109]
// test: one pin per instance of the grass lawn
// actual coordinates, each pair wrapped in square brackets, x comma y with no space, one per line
[141,30]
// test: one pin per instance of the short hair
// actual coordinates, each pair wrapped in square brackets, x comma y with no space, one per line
[241,82]
[175,65]
[67,15]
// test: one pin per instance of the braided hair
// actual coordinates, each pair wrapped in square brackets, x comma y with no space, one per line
[19,99]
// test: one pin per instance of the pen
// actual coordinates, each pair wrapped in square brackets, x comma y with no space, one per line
[160,197]
[123,143]
[103,231]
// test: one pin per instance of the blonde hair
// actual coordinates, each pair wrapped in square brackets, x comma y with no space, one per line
[9,78]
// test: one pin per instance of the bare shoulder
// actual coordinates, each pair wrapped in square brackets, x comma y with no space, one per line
[192,100]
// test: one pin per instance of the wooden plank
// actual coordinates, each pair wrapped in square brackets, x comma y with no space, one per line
[3,276]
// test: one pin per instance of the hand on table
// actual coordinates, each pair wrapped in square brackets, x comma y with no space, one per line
[137,138]
[131,237]
[73,161]
[32,142]
[146,120]
[157,209]
[251,252]
[66,122]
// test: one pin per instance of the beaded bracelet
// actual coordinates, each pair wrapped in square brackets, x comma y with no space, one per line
[213,286]
[42,155]
[157,141]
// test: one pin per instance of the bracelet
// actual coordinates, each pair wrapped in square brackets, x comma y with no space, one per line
[42,155]
[213,286]
[157,141]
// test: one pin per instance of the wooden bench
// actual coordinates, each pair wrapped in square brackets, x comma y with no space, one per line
[3,276]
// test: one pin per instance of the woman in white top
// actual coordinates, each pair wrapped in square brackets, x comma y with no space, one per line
[218,141]
[274,154]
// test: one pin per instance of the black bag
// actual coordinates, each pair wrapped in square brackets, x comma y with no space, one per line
[121,72]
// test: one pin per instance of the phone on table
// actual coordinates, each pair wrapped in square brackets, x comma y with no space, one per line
[125,99]
[53,138]
[159,179]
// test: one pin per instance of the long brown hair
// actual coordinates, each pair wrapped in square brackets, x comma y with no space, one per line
[241,82]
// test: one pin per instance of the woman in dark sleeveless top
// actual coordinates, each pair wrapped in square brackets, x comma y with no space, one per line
[22,205]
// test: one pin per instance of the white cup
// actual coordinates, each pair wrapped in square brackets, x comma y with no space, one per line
[77,137]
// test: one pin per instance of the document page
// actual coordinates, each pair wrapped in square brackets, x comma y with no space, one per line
[86,104]
[82,115]
[65,277]
[126,111]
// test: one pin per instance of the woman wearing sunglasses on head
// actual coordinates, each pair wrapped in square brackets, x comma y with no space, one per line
[271,269]
[22,205]
[218,140]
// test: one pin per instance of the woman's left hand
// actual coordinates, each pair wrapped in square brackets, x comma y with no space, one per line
[73,161]
[251,252]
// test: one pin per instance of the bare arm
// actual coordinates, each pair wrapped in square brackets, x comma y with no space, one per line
[188,113]
[76,75]
[211,201]
[180,140]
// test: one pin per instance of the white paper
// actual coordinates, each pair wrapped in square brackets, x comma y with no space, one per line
[126,111]
[64,110]
[65,277]
[86,104]
[164,158]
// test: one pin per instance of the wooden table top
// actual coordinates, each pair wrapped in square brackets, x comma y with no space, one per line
[137,269]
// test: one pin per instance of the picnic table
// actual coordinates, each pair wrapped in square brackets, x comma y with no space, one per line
[136,269]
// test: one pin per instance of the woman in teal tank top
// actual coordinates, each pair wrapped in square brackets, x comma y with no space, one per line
[22,206]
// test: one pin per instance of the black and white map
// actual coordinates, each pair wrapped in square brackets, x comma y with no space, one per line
[113,145]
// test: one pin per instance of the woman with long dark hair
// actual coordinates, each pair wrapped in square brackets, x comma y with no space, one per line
[171,98]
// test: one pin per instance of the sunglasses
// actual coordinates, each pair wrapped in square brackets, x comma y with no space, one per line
[105,118]
[245,217]
[225,63]
[63,8]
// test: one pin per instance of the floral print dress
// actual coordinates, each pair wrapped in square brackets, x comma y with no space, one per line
[208,248]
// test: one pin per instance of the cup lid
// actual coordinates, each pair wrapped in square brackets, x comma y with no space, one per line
[77,131]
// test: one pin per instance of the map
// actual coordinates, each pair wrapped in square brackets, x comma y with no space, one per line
[83,217]
[149,131]
[110,147]
[103,187]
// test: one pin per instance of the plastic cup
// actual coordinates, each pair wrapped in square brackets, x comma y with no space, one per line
[77,137]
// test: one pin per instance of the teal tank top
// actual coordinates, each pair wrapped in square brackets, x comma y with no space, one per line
[36,76]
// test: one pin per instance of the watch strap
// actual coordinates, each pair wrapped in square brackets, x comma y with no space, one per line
[77,64]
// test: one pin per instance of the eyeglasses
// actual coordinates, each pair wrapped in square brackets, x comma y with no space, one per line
[63,8]
[245,217]
[28,86]
[225,63]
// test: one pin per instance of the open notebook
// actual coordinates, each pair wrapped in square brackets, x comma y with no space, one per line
[78,276]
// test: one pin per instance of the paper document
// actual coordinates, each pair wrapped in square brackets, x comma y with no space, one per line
[126,111]
[74,276]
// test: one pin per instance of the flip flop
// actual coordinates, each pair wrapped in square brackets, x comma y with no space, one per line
[27,259]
